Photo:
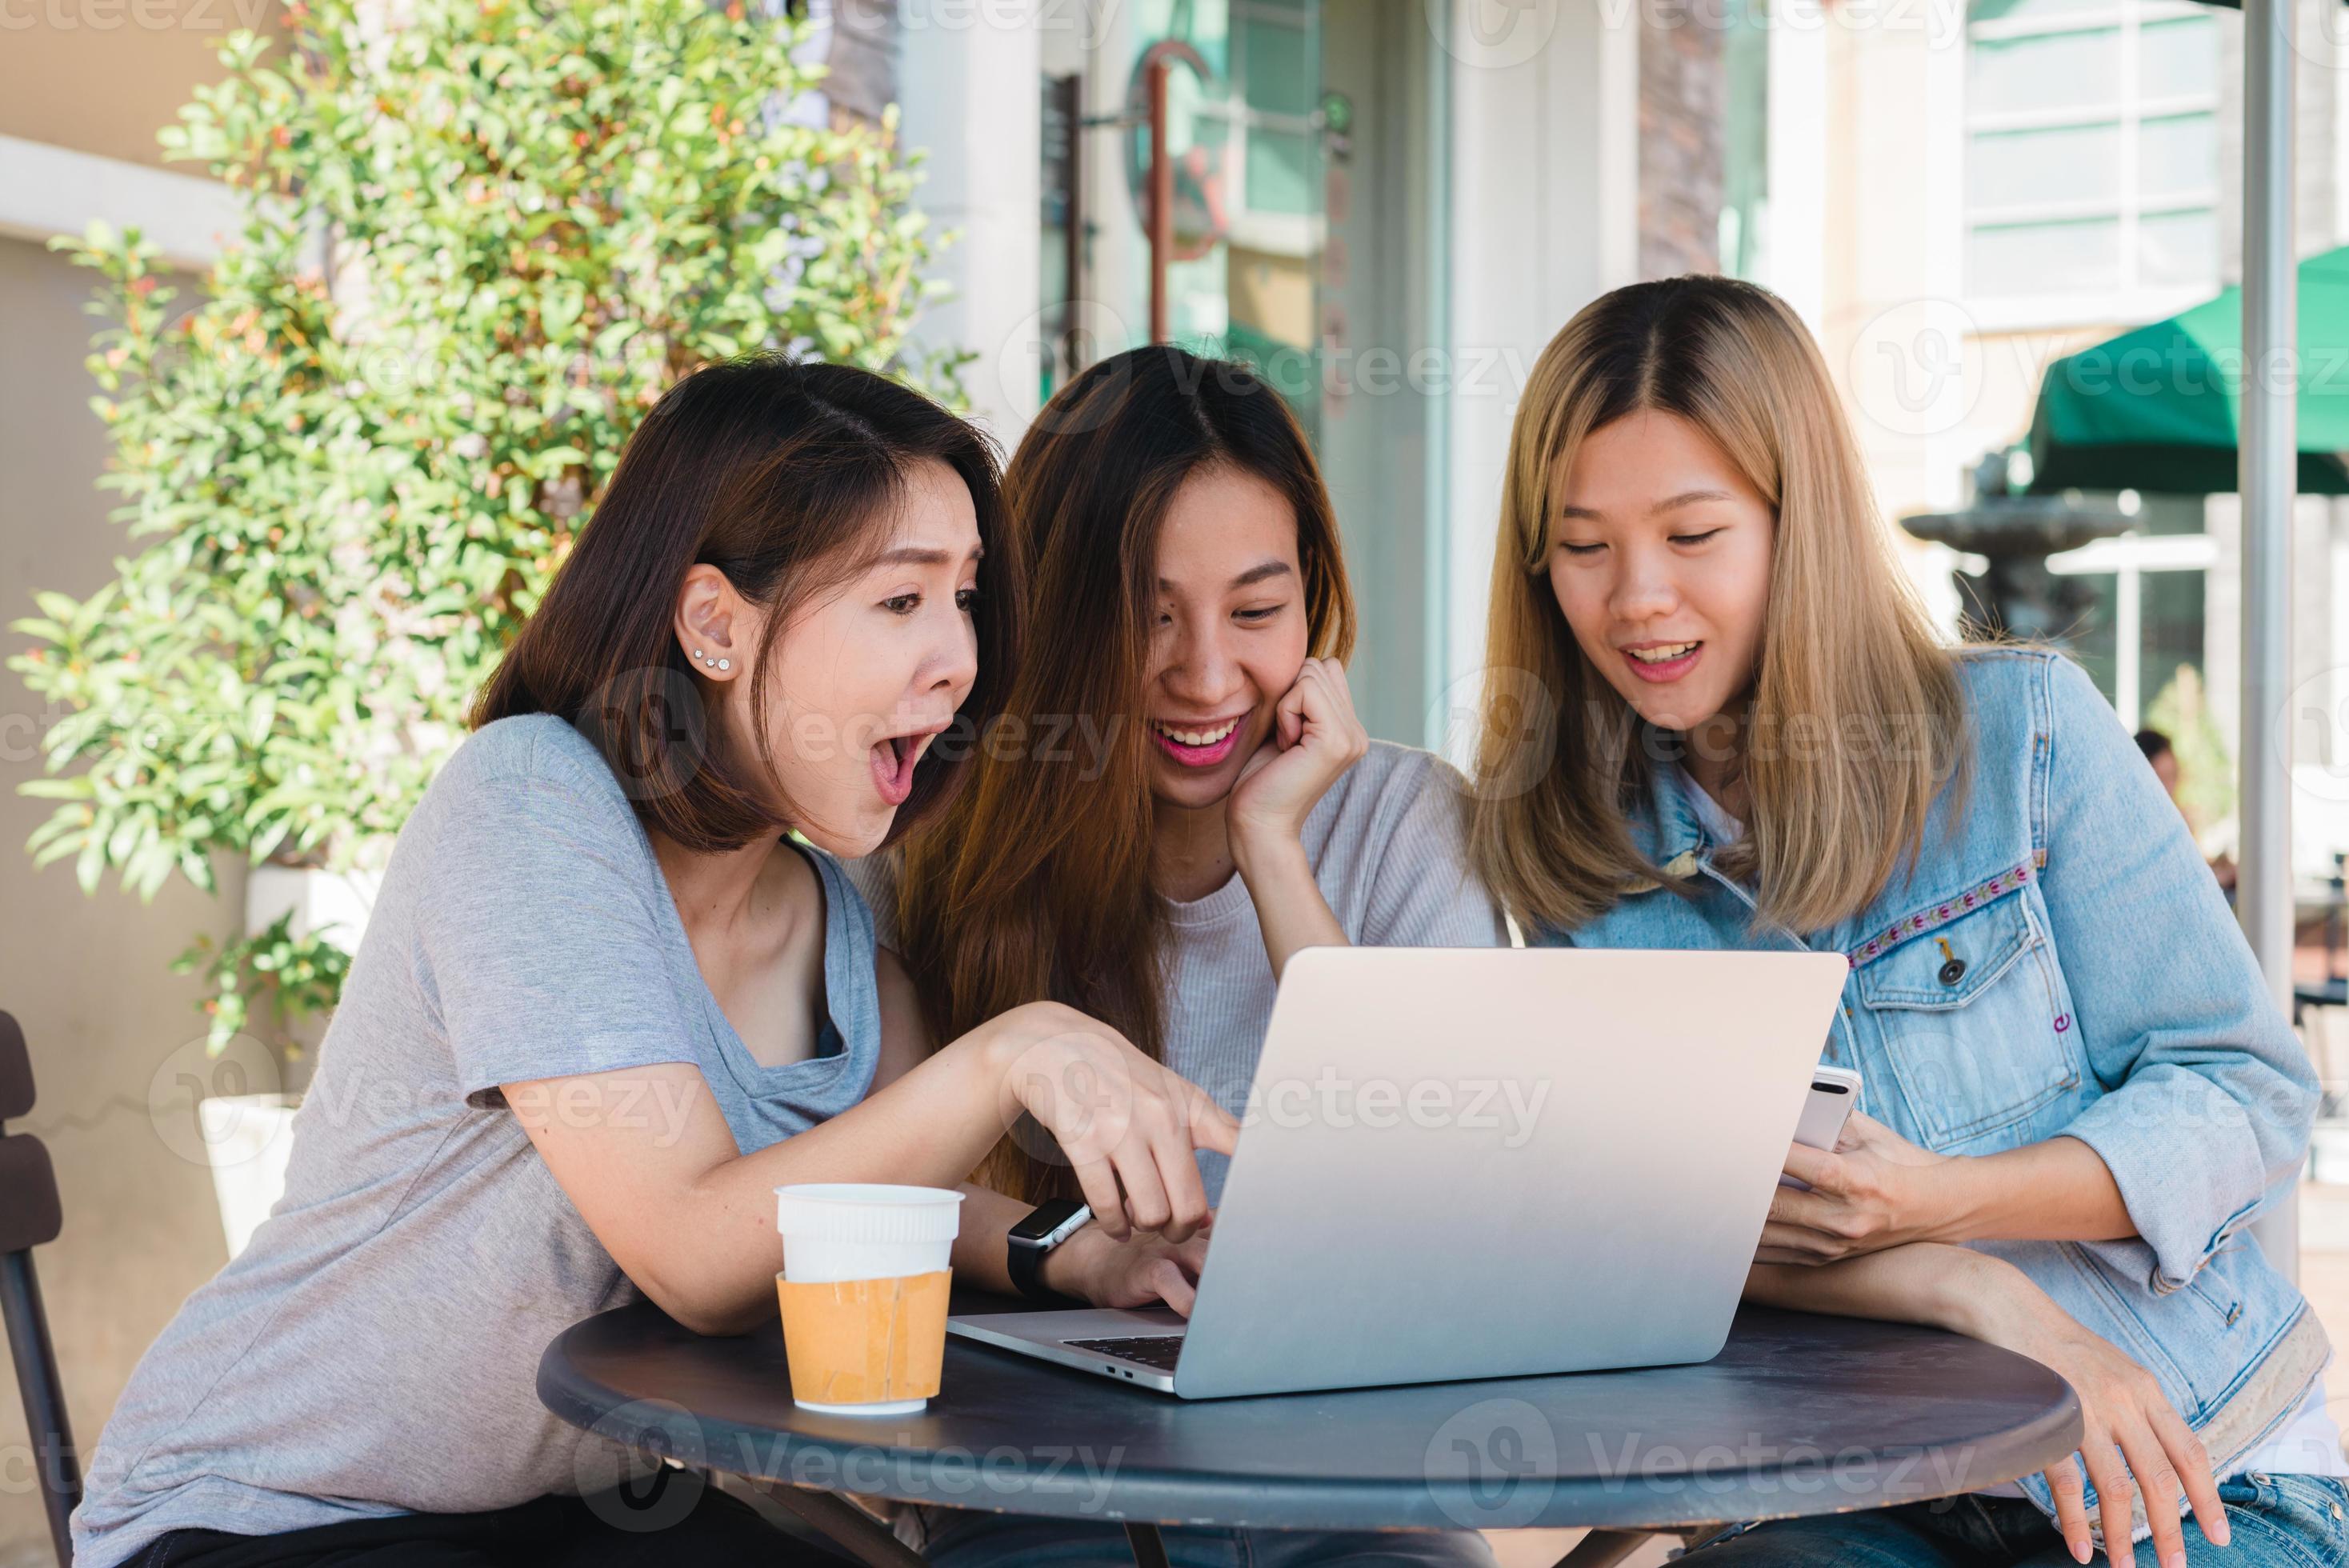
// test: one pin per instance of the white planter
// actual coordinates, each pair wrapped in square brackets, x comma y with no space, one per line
[330,903]
[247,1138]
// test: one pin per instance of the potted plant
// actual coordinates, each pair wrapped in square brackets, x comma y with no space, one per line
[478,240]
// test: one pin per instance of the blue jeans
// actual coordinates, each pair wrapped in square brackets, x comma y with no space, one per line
[999,1541]
[2277,1522]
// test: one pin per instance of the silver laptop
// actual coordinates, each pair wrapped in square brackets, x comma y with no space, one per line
[1483,1163]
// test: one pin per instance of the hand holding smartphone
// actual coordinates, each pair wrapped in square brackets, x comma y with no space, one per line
[1833,1092]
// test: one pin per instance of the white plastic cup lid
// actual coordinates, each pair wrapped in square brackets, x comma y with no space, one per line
[868,1211]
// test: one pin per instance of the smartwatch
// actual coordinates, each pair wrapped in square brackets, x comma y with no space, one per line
[1046,1227]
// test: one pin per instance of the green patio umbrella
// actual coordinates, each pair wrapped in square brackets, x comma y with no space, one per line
[2158,408]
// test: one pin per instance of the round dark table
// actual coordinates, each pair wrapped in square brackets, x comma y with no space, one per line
[1798,1415]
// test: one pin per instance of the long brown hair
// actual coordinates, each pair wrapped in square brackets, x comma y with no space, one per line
[1856,703]
[781,476]
[1036,885]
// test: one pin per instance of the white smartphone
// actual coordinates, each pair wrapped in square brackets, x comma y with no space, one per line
[1833,1092]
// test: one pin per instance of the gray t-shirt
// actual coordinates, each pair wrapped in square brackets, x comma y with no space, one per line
[374,1350]
[1388,845]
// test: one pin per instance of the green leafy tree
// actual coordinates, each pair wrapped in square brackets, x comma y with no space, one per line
[478,240]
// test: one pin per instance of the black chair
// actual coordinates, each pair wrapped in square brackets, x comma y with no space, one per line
[29,1215]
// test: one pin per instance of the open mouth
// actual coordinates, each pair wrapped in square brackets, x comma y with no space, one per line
[892,760]
[1197,744]
[1664,661]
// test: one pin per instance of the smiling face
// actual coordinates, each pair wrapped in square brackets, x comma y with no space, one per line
[865,679]
[1659,557]
[1230,633]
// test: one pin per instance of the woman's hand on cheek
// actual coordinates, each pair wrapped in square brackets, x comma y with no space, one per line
[1315,738]
[1143,1270]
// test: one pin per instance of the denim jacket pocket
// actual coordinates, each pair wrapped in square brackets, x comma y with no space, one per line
[1970,1011]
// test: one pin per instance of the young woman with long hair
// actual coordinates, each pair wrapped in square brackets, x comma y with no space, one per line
[604,1005]
[2079,1092]
[1179,799]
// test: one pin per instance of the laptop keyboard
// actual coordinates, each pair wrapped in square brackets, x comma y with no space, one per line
[1156,1351]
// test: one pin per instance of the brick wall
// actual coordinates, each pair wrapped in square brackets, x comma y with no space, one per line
[1684,102]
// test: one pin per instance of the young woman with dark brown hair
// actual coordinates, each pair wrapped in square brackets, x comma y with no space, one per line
[1178,799]
[604,1005]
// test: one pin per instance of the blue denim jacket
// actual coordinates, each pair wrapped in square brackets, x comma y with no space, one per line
[2059,960]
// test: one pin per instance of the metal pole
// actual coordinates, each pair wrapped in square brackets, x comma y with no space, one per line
[1162,200]
[2267,453]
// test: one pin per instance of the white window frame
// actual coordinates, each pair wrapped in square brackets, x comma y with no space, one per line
[2132,300]
[2129,558]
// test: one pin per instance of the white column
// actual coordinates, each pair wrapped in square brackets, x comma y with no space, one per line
[1544,218]
[970,81]
[1793,237]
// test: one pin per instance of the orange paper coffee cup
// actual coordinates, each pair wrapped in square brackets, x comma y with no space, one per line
[863,1294]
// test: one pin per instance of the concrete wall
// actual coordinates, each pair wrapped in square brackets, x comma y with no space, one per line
[103,76]
[85,976]
[88,976]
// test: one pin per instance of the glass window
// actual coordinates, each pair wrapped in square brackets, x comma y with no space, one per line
[2031,258]
[2091,635]
[2056,117]
[2177,58]
[2045,71]
[2067,163]
[2178,154]
[2171,612]
[2035,10]
[1280,80]
[1280,172]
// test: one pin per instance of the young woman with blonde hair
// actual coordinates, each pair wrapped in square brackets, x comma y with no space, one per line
[1718,718]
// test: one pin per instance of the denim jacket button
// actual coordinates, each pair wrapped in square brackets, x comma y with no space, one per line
[1953,971]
